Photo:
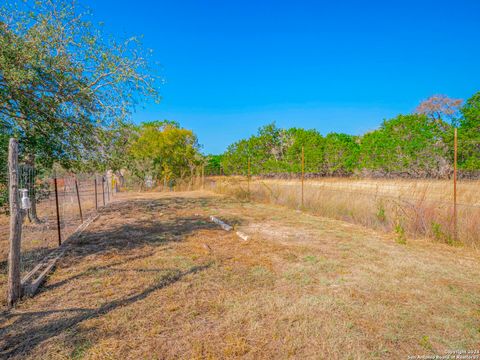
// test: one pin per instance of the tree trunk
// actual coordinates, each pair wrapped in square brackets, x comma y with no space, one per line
[14,283]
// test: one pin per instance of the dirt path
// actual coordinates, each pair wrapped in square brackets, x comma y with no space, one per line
[153,278]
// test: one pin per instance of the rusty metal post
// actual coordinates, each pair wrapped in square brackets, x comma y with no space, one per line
[78,200]
[58,212]
[96,195]
[455,158]
[303,176]
[248,177]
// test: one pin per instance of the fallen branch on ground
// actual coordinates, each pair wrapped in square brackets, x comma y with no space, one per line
[223,225]
[227,227]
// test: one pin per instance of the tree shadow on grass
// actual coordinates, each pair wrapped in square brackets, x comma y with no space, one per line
[143,226]
[23,320]
[29,258]
[144,223]
[21,343]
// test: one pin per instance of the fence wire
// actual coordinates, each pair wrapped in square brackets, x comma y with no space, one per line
[417,207]
[43,227]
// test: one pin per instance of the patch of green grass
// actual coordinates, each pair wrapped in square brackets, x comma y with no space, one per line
[438,234]
[97,283]
[311,259]
[425,343]
[401,238]
[381,216]
[81,348]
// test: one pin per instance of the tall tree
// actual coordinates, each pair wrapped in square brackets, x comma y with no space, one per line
[441,109]
[409,145]
[164,151]
[213,165]
[61,79]
[313,144]
[341,154]
[469,134]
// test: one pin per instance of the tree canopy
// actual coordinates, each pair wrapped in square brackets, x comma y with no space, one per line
[413,145]
[67,89]
[163,150]
[63,80]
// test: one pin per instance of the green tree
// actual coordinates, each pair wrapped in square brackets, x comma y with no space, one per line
[411,145]
[4,138]
[341,154]
[62,79]
[163,150]
[235,158]
[469,134]
[213,165]
[314,148]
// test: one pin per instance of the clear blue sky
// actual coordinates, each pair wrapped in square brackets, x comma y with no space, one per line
[232,66]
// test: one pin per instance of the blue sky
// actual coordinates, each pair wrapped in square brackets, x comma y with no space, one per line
[344,66]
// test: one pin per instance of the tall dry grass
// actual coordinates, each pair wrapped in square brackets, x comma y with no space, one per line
[408,208]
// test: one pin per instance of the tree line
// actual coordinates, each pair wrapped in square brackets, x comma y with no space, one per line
[416,145]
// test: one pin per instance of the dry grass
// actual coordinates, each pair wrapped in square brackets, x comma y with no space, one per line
[405,207]
[152,278]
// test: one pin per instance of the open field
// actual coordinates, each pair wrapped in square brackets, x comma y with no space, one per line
[153,278]
[417,208]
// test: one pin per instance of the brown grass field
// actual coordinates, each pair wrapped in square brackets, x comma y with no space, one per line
[152,278]
[409,208]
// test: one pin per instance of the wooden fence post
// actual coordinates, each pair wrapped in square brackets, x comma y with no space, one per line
[96,195]
[455,217]
[16,217]
[58,211]
[203,177]
[303,175]
[78,200]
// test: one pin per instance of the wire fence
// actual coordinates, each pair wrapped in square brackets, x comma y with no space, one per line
[407,207]
[58,206]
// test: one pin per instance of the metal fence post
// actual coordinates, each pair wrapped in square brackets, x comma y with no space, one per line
[248,177]
[78,200]
[58,212]
[455,217]
[96,195]
[303,174]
